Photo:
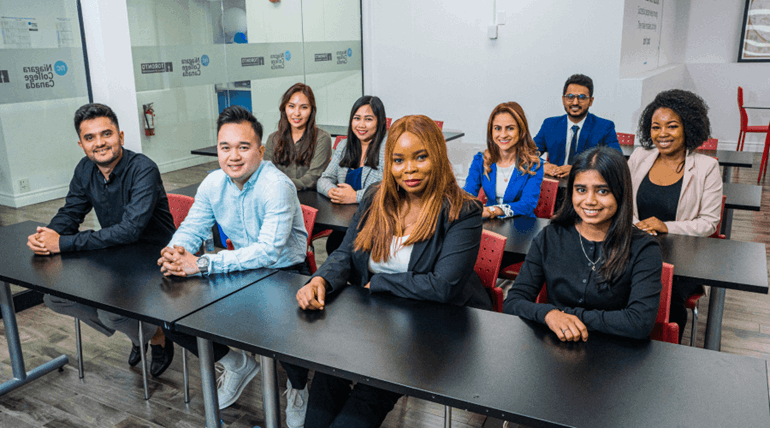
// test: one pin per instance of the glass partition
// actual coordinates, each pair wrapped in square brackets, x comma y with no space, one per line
[193,58]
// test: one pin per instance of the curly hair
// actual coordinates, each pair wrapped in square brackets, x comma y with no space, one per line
[690,108]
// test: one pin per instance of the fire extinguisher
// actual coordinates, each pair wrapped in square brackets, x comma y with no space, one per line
[149,119]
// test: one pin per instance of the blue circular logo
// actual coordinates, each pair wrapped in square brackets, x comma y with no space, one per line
[60,67]
[350,52]
[288,56]
[205,60]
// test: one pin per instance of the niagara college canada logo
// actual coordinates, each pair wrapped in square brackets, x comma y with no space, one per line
[60,67]
[205,60]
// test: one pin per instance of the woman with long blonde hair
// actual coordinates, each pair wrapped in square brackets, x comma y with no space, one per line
[510,170]
[416,235]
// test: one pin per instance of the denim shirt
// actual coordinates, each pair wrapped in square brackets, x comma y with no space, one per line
[264,221]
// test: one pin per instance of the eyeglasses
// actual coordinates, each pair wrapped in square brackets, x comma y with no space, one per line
[581,97]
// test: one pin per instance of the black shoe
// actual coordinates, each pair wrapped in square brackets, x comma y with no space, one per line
[136,355]
[161,358]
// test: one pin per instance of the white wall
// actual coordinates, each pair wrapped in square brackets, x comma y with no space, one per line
[433,57]
[714,73]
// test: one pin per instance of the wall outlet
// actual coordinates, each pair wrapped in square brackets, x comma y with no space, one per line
[24,185]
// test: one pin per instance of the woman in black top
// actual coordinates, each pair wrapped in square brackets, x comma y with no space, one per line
[599,271]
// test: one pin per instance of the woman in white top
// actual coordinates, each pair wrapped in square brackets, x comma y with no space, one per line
[416,236]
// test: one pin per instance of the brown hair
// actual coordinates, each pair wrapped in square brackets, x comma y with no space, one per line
[381,222]
[285,151]
[526,150]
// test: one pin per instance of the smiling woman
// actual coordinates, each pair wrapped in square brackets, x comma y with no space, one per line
[298,148]
[416,235]
[599,272]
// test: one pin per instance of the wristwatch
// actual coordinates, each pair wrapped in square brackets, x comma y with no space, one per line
[203,264]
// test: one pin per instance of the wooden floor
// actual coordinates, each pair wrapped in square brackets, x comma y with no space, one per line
[111,394]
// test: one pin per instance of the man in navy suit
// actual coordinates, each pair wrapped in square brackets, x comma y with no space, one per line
[563,137]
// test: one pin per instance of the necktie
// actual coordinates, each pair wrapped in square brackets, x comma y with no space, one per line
[573,145]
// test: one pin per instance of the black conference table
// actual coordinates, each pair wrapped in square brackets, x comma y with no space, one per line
[124,280]
[489,363]
[338,131]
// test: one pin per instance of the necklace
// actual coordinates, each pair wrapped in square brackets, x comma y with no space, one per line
[678,169]
[510,169]
[590,262]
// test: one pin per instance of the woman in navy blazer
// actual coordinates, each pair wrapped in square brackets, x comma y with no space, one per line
[415,235]
[509,170]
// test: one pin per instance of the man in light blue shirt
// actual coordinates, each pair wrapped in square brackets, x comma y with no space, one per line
[257,207]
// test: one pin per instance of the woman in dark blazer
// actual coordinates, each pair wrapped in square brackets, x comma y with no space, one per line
[416,235]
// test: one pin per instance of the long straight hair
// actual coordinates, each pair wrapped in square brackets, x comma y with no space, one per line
[285,151]
[525,149]
[381,221]
[352,156]
[616,248]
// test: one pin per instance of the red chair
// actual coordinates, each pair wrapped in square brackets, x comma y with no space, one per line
[763,163]
[487,265]
[626,139]
[664,330]
[544,209]
[745,128]
[179,205]
[337,141]
[388,121]
[692,301]
[440,124]
[710,144]
[482,197]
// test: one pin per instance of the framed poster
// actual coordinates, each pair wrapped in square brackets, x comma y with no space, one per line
[755,35]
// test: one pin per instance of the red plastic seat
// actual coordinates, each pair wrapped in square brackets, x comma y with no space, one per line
[337,141]
[546,205]
[179,205]
[664,330]
[626,139]
[388,121]
[745,128]
[487,265]
[710,144]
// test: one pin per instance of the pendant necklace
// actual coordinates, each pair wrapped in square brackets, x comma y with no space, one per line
[506,177]
[590,262]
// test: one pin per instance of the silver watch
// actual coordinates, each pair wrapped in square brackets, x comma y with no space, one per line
[203,264]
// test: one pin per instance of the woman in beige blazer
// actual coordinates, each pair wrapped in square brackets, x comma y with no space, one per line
[675,189]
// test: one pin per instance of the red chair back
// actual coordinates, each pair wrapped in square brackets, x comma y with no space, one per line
[388,120]
[179,205]
[742,111]
[626,139]
[716,233]
[488,265]
[308,215]
[482,196]
[710,144]
[337,141]
[440,124]
[547,202]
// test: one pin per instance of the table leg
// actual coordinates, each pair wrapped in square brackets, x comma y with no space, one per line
[144,363]
[270,398]
[209,383]
[713,339]
[20,375]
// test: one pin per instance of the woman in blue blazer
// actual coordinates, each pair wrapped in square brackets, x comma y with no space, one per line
[510,170]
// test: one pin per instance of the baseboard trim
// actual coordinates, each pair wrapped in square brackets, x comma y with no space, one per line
[29,198]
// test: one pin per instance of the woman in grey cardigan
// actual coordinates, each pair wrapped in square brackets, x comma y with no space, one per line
[358,161]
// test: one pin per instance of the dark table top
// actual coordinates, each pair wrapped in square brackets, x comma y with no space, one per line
[742,196]
[490,363]
[123,279]
[330,215]
[338,130]
[725,157]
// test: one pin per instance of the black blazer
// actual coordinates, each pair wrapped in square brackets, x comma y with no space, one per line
[440,269]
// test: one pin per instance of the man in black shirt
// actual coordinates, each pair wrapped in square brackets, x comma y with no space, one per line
[126,192]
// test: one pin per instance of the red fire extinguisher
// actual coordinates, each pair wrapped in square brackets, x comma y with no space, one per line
[149,119]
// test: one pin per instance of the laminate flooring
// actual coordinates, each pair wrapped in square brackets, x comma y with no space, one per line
[111,393]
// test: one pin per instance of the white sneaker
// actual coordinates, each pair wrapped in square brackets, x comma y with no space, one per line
[296,406]
[231,383]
